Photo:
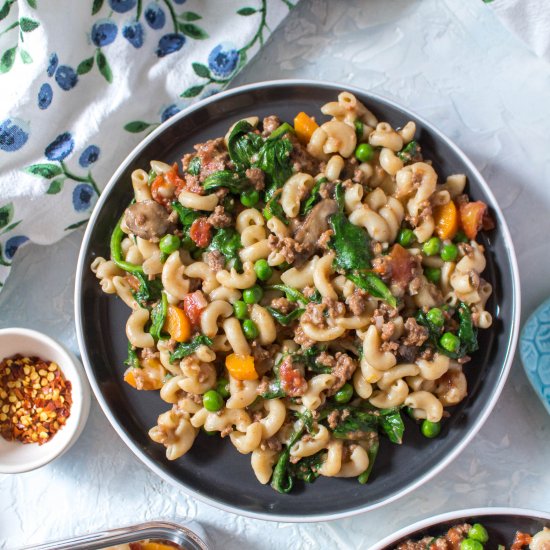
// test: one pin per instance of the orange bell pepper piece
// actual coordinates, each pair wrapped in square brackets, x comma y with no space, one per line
[304,126]
[471,217]
[241,367]
[446,220]
[177,324]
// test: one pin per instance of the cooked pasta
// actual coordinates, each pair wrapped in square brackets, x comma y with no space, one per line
[294,288]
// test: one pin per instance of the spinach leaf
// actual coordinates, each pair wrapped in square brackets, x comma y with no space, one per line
[228,241]
[149,290]
[350,242]
[307,468]
[273,208]
[314,197]
[339,197]
[187,348]
[291,293]
[236,182]
[410,152]
[274,389]
[132,360]
[274,159]
[158,317]
[152,176]
[392,424]
[283,129]
[241,145]
[194,167]
[285,319]
[373,285]
[282,479]
[466,330]
[359,424]
[372,452]
[187,215]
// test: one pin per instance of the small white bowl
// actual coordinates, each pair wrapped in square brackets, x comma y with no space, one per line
[16,457]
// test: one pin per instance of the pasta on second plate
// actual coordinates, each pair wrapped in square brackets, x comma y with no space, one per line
[295,288]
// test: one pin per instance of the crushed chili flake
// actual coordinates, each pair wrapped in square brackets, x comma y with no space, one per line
[35,399]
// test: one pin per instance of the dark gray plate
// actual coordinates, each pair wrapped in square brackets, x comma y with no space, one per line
[213,470]
[501,524]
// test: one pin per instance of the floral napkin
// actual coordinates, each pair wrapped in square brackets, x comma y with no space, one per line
[83,81]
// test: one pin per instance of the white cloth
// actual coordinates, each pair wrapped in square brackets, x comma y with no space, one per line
[529,19]
[82,82]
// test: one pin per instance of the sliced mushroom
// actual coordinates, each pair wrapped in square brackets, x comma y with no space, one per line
[148,220]
[315,224]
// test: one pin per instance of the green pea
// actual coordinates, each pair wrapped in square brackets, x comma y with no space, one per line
[460,237]
[479,533]
[364,152]
[250,197]
[410,412]
[406,237]
[430,429]
[450,342]
[470,544]
[240,309]
[449,252]
[344,394]
[169,243]
[431,246]
[263,270]
[436,317]
[250,329]
[253,294]
[212,401]
[222,387]
[433,274]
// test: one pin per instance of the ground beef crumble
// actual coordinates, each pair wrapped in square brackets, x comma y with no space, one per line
[286,246]
[319,314]
[270,124]
[256,177]
[415,334]
[215,260]
[219,218]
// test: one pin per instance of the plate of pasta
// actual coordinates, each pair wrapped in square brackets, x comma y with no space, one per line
[475,529]
[294,291]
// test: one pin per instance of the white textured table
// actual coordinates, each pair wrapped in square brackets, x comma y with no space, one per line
[453,63]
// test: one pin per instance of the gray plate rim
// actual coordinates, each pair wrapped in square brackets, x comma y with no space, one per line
[477,424]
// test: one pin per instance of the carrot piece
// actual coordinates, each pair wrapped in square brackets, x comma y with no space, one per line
[446,220]
[177,324]
[241,367]
[155,546]
[304,126]
[129,377]
[471,217]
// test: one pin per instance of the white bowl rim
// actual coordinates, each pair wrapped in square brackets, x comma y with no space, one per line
[479,421]
[80,408]
[455,515]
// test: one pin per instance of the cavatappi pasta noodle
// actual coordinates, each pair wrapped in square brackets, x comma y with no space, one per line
[294,288]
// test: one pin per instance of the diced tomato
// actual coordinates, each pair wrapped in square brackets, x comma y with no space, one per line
[292,381]
[193,305]
[159,191]
[173,177]
[133,282]
[201,232]
[471,217]
[403,265]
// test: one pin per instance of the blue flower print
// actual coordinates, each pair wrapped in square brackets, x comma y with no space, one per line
[223,60]
[169,112]
[45,95]
[133,32]
[170,43]
[13,135]
[66,77]
[52,64]
[104,32]
[82,197]
[60,148]
[122,6]
[180,1]
[89,156]
[155,17]
[12,244]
